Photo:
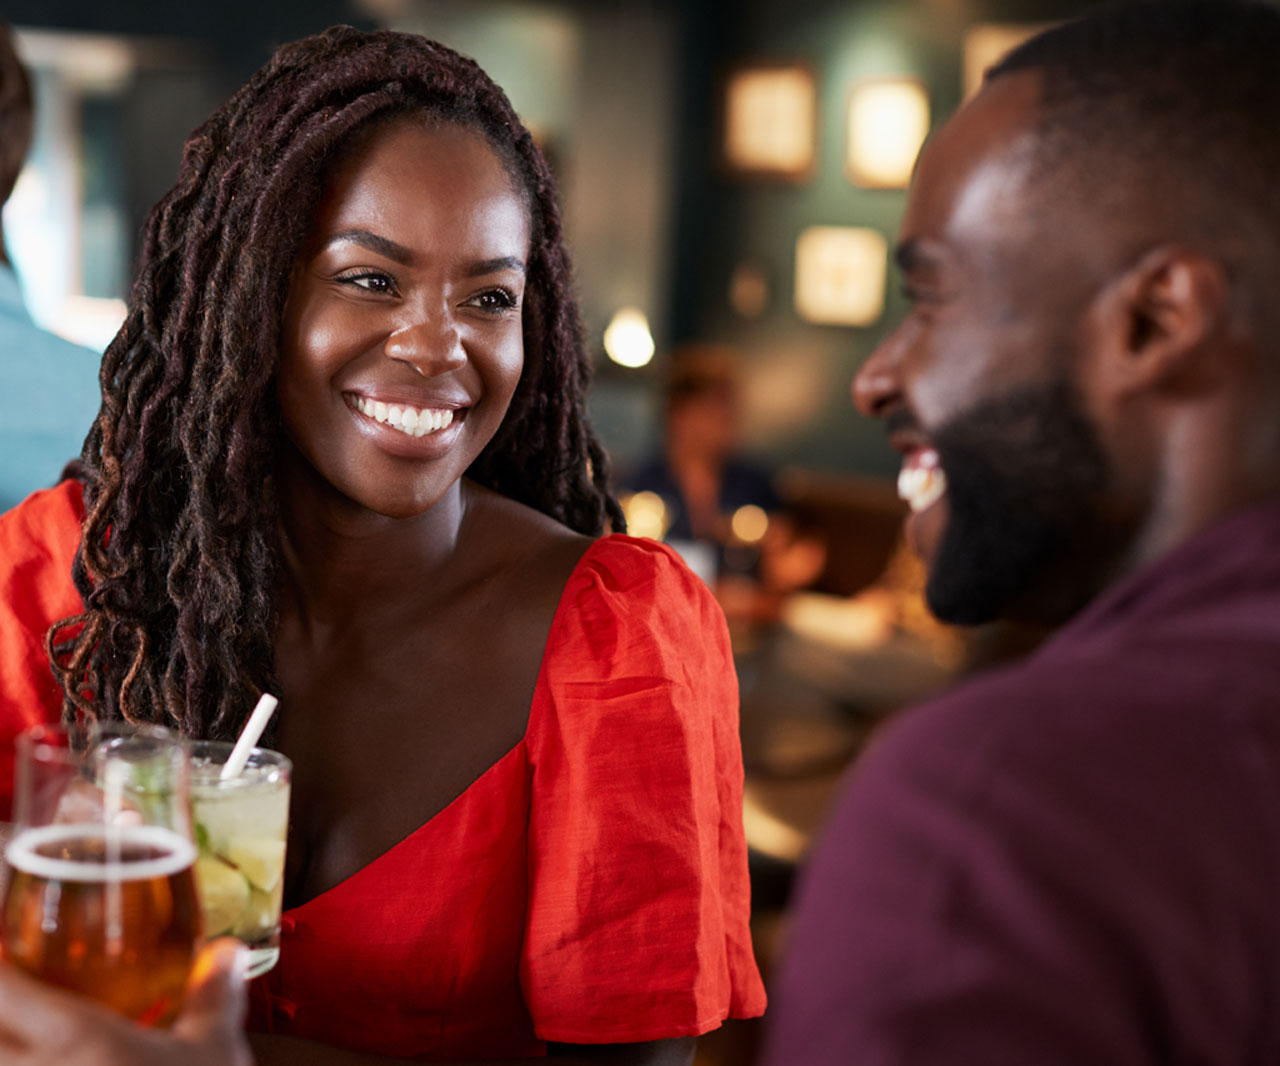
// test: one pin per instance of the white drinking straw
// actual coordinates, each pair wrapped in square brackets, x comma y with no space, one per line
[249,736]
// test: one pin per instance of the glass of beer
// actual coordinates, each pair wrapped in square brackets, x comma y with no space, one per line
[101,897]
[241,824]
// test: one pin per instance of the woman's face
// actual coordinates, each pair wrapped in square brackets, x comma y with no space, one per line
[401,344]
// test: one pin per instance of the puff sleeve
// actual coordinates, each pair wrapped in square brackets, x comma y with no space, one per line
[38,540]
[639,903]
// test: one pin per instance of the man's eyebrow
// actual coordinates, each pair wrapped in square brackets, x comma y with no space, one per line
[495,266]
[383,246]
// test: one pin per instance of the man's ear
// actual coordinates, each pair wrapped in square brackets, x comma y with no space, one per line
[1151,322]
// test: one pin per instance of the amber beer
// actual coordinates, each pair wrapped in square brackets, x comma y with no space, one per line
[110,912]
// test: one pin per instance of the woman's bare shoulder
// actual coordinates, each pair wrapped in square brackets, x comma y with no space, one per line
[521,535]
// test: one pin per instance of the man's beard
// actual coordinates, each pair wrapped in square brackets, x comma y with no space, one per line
[1024,535]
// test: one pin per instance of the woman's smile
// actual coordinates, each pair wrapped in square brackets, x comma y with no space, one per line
[407,430]
[411,421]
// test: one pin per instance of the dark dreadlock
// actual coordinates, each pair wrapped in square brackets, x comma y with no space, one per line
[179,554]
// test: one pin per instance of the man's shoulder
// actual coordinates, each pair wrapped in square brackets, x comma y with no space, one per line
[1158,718]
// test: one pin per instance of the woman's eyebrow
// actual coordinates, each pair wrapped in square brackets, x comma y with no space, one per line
[383,246]
[398,253]
[493,266]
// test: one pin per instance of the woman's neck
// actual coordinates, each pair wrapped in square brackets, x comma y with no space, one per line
[340,560]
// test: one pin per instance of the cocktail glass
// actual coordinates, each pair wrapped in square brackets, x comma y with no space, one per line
[240,828]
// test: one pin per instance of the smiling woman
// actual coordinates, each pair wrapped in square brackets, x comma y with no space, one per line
[342,456]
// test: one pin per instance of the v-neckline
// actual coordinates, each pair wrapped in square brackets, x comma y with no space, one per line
[421,830]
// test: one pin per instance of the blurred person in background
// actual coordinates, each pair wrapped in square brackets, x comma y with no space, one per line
[699,471]
[721,508]
[49,392]
[1076,859]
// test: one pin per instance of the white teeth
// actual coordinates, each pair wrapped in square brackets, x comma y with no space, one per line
[922,482]
[411,421]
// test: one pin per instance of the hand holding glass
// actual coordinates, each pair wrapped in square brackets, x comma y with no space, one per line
[101,897]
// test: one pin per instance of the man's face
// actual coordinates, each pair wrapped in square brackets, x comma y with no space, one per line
[985,384]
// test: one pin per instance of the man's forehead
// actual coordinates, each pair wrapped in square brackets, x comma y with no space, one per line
[975,164]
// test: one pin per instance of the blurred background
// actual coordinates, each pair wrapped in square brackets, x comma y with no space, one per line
[732,177]
[628,97]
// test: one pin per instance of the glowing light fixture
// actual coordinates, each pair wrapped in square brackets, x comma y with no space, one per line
[770,121]
[888,122]
[840,275]
[986,43]
[627,340]
[646,515]
[749,524]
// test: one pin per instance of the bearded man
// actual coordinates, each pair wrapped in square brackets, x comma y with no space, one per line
[1077,859]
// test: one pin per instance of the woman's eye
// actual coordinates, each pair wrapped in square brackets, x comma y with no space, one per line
[496,300]
[370,282]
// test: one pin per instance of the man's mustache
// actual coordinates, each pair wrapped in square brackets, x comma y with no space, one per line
[900,420]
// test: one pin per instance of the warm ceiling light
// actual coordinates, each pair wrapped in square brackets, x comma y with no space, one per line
[627,340]
[888,121]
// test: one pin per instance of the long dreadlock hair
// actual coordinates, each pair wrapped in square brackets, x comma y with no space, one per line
[180,547]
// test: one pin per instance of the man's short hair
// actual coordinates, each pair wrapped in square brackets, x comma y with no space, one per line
[15,114]
[1184,94]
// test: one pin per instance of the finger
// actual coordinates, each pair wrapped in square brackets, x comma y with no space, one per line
[34,1012]
[217,995]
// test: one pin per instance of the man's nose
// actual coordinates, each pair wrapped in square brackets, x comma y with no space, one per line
[431,343]
[876,387]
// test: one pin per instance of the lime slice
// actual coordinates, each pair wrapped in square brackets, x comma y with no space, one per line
[259,917]
[261,861]
[224,894]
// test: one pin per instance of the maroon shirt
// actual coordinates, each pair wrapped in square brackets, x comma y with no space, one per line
[1075,860]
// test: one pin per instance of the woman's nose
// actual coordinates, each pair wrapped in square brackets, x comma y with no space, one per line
[431,344]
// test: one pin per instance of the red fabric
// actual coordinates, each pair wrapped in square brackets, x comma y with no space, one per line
[590,887]
[38,541]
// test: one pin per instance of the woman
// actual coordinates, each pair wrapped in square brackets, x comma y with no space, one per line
[516,798]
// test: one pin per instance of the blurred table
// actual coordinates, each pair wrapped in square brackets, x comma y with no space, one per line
[815,685]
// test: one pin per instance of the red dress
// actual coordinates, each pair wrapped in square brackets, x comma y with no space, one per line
[589,887]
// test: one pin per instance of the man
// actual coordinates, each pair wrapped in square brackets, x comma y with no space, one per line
[1077,859]
[49,392]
